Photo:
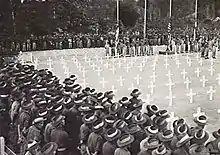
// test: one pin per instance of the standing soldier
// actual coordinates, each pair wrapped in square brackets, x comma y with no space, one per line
[28,44]
[107,48]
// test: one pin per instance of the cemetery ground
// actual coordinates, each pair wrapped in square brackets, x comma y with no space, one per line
[184,84]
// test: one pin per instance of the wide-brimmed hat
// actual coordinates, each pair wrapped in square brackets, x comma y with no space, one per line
[196,149]
[200,136]
[124,101]
[67,102]
[58,108]
[98,125]
[151,143]
[42,113]
[92,92]
[57,120]
[26,105]
[161,150]
[183,139]
[161,123]
[114,108]
[89,118]
[112,134]
[110,119]
[140,118]
[127,115]
[178,122]
[151,130]
[125,140]
[135,93]
[132,129]
[49,148]
[75,87]
[100,96]
[120,124]
[85,108]
[152,109]
[73,77]
[38,120]
[78,101]
[180,129]
[201,120]
[109,94]
[166,136]
[216,134]
[163,113]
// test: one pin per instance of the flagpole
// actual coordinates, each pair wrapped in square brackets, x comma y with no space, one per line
[145,18]
[117,12]
[196,18]
[170,26]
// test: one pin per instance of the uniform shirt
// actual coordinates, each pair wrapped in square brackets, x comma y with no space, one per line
[60,137]
[84,132]
[34,134]
[47,132]
[95,142]
[108,148]
[24,119]
[120,151]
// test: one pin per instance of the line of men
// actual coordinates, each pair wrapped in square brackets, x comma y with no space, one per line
[49,117]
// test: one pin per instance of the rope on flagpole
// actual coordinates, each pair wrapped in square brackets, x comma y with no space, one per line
[170,27]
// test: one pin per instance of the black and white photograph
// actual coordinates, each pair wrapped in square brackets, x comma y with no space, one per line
[109,77]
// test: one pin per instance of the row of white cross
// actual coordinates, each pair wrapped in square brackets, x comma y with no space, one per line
[129,64]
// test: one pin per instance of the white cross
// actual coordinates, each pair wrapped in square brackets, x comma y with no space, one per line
[103,82]
[66,71]
[113,69]
[144,60]
[178,64]
[149,99]
[138,78]
[170,97]
[203,80]
[187,58]
[89,61]
[184,73]
[113,89]
[218,78]
[84,83]
[49,60]
[218,111]
[127,67]
[170,84]
[101,60]
[169,74]
[119,64]
[108,56]
[212,61]
[83,71]
[85,58]
[141,67]
[191,94]
[93,66]
[151,86]
[154,66]
[171,119]
[166,65]
[187,82]
[198,112]
[106,64]
[189,62]
[201,61]
[198,71]
[132,87]
[98,71]
[120,80]
[211,92]
[97,57]
[176,56]
[36,63]
[153,76]
[211,70]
